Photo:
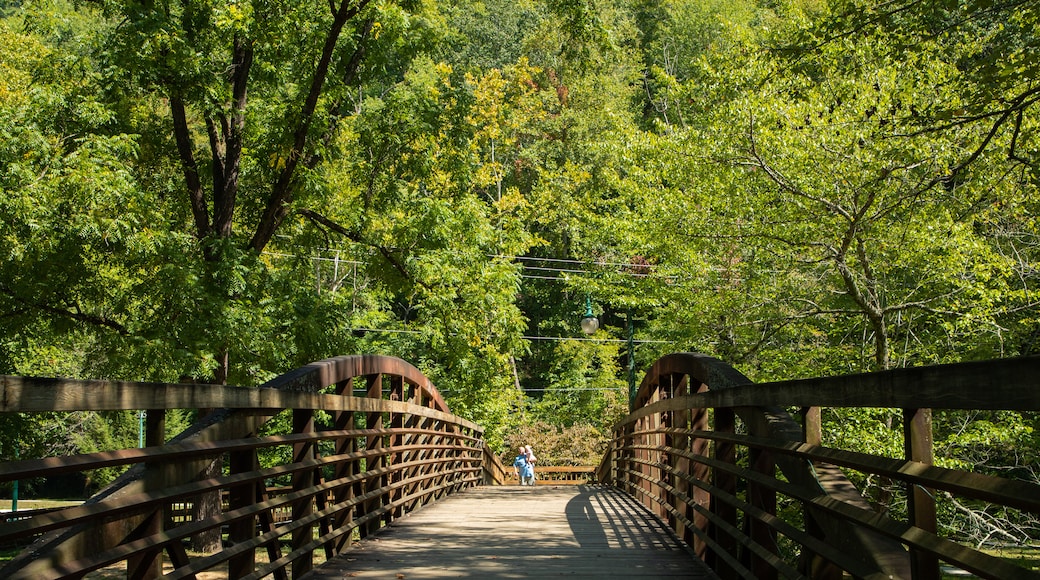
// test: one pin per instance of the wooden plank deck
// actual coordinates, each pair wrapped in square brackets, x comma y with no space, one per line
[522,532]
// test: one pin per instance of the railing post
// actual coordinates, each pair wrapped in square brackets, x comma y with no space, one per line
[344,421]
[700,472]
[303,422]
[812,425]
[681,420]
[207,504]
[396,424]
[725,481]
[764,499]
[629,460]
[917,443]
[149,565]
[812,434]
[453,470]
[664,477]
[243,530]
[414,397]
[621,463]
[645,454]
[372,483]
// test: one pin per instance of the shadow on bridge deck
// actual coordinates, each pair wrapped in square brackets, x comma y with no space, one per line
[522,532]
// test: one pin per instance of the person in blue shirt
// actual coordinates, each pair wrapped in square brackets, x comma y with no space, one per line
[523,468]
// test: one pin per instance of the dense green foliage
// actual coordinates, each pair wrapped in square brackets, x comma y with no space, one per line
[226,191]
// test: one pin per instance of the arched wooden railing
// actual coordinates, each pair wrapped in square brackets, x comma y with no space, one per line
[386,453]
[713,455]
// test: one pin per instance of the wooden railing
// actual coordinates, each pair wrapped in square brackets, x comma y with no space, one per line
[756,494]
[386,453]
[558,475]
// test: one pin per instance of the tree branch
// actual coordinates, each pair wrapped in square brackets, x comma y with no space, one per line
[281,194]
[349,77]
[226,191]
[778,178]
[185,148]
[73,313]
[322,221]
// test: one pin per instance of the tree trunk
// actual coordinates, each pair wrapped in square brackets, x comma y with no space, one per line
[208,505]
[877,322]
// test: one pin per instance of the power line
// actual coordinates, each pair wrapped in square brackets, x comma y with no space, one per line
[314,258]
[590,339]
[519,259]
[557,338]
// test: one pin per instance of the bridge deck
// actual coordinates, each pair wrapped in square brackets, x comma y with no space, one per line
[522,532]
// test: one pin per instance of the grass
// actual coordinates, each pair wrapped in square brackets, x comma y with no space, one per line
[1027,557]
[38,504]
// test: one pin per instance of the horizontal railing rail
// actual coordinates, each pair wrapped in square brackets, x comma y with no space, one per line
[558,475]
[382,455]
[758,495]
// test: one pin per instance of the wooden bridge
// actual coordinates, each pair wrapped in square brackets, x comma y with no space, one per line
[709,476]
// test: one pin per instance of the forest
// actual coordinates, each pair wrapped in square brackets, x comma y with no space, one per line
[224,191]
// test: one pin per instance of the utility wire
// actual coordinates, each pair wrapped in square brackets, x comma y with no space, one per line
[559,338]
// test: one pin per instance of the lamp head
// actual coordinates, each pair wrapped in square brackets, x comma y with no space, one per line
[589,324]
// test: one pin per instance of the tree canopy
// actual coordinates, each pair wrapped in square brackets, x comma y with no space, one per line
[224,191]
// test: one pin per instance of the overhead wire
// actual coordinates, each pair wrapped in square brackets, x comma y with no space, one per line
[528,337]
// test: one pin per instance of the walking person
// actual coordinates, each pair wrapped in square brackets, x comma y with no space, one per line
[529,453]
[523,469]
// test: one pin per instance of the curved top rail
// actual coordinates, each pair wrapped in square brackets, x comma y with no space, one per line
[320,374]
[988,385]
[701,367]
[991,385]
[295,389]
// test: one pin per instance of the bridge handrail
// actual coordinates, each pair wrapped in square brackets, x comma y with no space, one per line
[494,469]
[980,385]
[558,475]
[381,459]
[678,453]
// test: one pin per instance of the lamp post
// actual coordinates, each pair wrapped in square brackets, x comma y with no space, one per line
[589,325]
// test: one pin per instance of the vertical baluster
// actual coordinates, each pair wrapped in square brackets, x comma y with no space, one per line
[344,421]
[645,440]
[700,471]
[303,422]
[809,563]
[373,421]
[917,442]
[413,396]
[725,422]
[396,440]
[764,499]
[242,496]
[149,564]
[682,420]
[666,441]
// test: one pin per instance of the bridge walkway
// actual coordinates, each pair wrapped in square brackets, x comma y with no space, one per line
[522,532]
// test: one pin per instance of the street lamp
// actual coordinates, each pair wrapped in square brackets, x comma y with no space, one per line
[589,323]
